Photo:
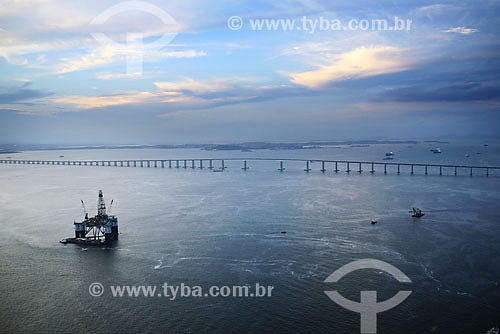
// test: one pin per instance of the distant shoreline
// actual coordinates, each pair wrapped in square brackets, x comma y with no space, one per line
[246,147]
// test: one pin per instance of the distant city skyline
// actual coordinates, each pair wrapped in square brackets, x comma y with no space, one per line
[216,78]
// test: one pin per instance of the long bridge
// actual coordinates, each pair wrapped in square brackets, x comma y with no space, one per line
[333,165]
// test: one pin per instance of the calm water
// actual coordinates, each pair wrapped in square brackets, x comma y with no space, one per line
[202,228]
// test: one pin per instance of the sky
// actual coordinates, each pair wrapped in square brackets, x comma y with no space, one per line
[192,71]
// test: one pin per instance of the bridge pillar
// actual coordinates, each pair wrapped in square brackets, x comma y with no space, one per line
[185,164]
[373,170]
[155,164]
[487,171]
[170,164]
[201,164]
[307,167]
[471,171]
[142,163]
[440,170]
[121,163]
[323,167]
[163,164]
[385,168]
[455,171]
[281,167]
[210,165]
[411,169]
[148,164]
[399,170]
[192,164]
[336,167]
[176,163]
[359,171]
[426,170]
[348,170]
[222,165]
[115,163]
[245,165]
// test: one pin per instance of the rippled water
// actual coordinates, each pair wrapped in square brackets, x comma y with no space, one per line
[202,228]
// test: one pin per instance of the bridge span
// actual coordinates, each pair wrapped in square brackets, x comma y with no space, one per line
[326,165]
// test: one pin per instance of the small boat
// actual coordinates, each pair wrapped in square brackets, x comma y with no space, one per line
[374,222]
[436,150]
[417,213]
[389,154]
[218,170]
[494,330]
[485,145]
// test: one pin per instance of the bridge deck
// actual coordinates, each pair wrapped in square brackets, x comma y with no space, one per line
[168,163]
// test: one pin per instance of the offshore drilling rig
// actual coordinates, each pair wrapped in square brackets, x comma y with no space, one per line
[101,229]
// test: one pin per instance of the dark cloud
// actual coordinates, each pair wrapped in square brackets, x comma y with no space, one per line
[15,95]
[451,93]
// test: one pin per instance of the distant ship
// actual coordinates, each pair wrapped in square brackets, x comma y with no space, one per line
[101,229]
[436,150]
[417,213]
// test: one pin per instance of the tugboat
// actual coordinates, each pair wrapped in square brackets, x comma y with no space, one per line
[99,230]
[417,213]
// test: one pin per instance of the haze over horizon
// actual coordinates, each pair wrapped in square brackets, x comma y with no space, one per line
[213,84]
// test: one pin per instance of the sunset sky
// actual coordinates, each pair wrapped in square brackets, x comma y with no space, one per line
[209,83]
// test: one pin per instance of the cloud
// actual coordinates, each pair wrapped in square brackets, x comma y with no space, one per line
[461,30]
[185,94]
[358,63]
[16,95]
